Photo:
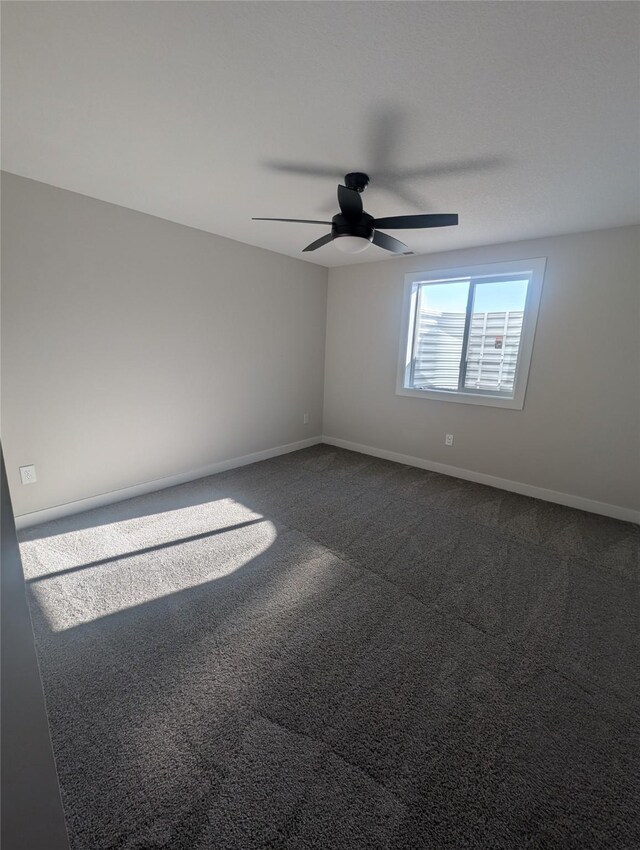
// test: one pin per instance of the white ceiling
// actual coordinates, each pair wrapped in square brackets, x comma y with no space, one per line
[184,110]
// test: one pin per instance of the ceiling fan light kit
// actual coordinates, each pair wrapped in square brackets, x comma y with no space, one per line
[352,244]
[353,230]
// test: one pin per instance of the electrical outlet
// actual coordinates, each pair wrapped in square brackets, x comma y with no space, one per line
[305,418]
[448,439]
[28,474]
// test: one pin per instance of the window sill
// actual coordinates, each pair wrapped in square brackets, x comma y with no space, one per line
[463,398]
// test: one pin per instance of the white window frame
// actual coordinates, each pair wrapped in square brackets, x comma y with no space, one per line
[533,269]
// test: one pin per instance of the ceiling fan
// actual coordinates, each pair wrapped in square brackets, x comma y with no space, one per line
[353,229]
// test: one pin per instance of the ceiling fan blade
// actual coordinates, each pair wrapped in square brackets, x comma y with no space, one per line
[385,132]
[401,222]
[350,203]
[296,220]
[406,193]
[307,169]
[446,169]
[319,243]
[390,243]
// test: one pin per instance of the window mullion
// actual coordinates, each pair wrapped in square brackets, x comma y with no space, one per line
[416,333]
[462,374]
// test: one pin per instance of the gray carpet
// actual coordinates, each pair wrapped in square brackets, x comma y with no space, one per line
[326,650]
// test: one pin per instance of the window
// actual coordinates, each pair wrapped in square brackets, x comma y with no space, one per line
[467,334]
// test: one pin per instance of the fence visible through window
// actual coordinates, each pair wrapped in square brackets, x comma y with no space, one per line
[492,350]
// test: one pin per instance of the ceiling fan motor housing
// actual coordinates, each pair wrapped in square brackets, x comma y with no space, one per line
[341,226]
[356,180]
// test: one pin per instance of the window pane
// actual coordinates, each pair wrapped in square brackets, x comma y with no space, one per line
[494,335]
[440,318]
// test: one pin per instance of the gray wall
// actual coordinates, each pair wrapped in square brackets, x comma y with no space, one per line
[579,432]
[32,817]
[134,348]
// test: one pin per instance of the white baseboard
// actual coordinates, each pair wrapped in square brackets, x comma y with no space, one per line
[603,508]
[567,499]
[48,514]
